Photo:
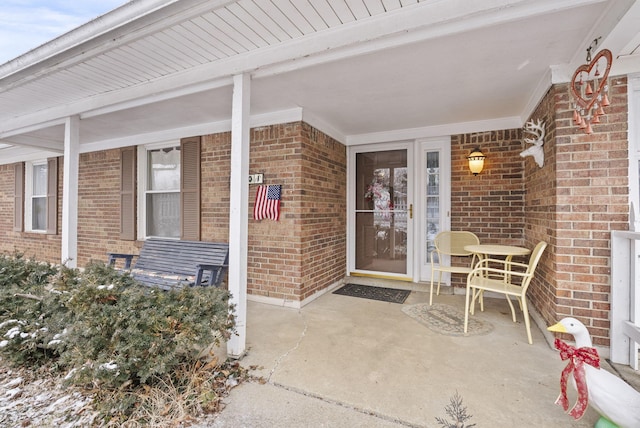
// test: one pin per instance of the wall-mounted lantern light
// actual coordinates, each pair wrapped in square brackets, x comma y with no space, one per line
[476,161]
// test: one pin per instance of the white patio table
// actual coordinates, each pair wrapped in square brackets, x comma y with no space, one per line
[484,251]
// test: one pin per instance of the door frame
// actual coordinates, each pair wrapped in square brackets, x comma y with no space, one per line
[422,272]
[415,230]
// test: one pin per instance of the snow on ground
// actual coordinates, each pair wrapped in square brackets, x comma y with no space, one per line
[25,401]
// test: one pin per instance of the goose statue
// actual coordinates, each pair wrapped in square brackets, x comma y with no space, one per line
[616,401]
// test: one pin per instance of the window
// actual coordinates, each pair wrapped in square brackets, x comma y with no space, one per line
[36,195]
[161,192]
[168,191]
[36,199]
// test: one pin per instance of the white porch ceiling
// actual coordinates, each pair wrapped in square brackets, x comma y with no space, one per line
[360,70]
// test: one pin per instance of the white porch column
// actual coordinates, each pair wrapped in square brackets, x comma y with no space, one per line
[239,210]
[70,191]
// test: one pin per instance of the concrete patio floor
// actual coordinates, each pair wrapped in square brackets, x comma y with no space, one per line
[344,362]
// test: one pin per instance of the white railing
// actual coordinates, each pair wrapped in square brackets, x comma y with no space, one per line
[625,297]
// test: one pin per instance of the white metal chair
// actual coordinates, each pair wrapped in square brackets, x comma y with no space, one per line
[451,243]
[486,277]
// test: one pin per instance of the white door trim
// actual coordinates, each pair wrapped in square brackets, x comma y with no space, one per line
[442,145]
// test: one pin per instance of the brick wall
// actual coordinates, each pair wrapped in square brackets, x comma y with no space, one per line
[291,259]
[215,165]
[540,209]
[99,207]
[305,251]
[323,210]
[592,199]
[491,204]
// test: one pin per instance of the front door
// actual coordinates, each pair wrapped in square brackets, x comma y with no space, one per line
[382,215]
[391,229]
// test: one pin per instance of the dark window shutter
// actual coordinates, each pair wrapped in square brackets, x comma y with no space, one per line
[18,197]
[52,196]
[128,194]
[190,189]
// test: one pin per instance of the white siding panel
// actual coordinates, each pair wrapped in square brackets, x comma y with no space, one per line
[311,15]
[205,40]
[242,27]
[294,15]
[183,40]
[390,5]
[219,37]
[243,43]
[143,52]
[272,11]
[167,46]
[253,23]
[267,22]
[122,70]
[78,84]
[327,13]
[358,9]
[184,34]
[342,10]
[375,7]
[112,82]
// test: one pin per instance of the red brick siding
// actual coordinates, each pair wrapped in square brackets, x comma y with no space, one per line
[323,210]
[491,204]
[275,256]
[291,259]
[215,165]
[99,207]
[305,251]
[592,199]
[540,208]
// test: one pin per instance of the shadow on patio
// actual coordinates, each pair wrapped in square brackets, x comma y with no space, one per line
[346,361]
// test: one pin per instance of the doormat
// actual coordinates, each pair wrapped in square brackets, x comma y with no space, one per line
[374,293]
[447,320]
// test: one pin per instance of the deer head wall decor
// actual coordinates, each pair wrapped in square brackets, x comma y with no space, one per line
[536,150]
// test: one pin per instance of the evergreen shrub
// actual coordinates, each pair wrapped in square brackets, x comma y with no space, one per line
[104,329]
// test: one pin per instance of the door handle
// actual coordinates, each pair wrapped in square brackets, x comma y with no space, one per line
[410,210]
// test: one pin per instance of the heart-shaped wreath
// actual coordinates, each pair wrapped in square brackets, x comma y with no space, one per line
[589,87]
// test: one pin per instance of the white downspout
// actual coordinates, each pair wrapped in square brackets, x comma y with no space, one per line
[70,191]
[239,210]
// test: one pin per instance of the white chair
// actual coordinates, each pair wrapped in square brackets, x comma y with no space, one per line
[451,243]
[486,277]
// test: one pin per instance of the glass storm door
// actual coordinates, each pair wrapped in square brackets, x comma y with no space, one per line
[382,213]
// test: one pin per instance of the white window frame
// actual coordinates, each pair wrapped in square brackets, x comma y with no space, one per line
[143,183]
[28,194]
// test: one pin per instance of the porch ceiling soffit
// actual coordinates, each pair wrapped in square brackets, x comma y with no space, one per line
[185,54]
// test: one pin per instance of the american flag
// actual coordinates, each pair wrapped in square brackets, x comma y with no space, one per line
[267,202]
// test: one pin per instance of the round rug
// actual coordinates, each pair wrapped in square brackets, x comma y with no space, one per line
[445,319]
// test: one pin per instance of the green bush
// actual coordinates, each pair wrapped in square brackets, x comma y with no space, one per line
[103,328]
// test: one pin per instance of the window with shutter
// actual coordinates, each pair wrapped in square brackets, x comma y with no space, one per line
[40,202]
[159,190]
[168,180]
